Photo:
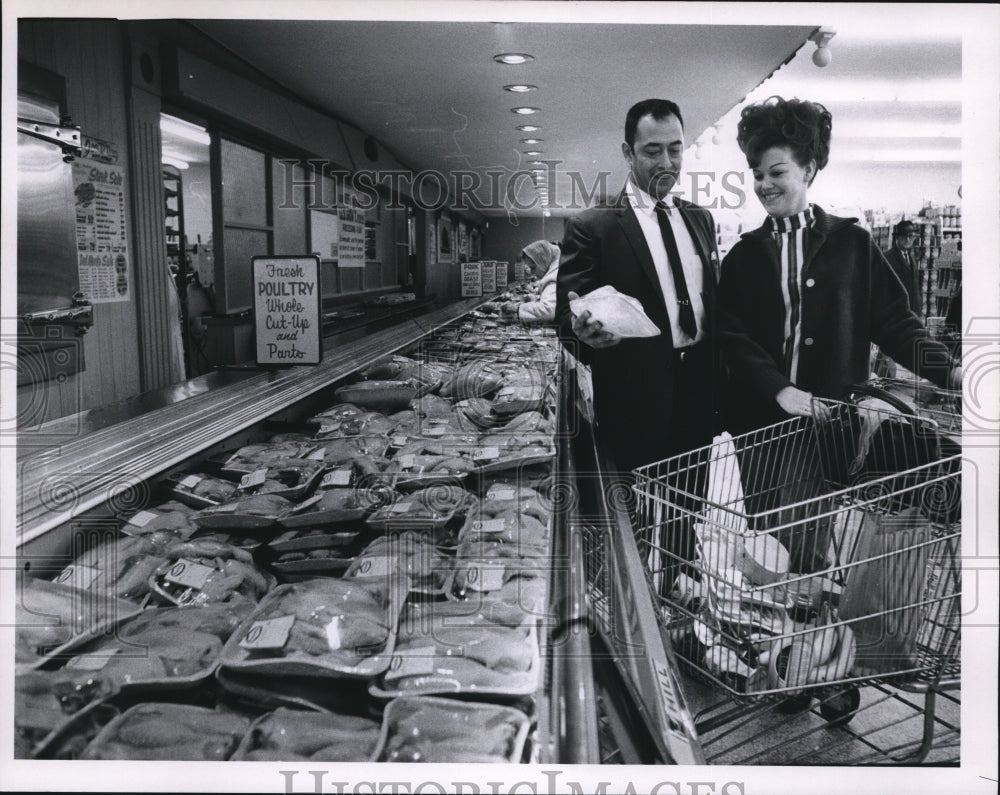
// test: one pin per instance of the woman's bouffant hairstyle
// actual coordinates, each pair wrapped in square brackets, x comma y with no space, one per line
[803,126]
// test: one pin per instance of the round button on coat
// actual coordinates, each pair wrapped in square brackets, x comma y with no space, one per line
[810,282]
[808,340]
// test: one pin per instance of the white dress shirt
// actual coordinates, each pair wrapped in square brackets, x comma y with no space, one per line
[644,206]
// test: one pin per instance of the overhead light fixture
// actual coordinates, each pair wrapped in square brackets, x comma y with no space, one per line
[546,214]
[520,88]
[175,162]
[531,140]
[525,111]
[534,153]
[536,162]
[822,36]
[528,127]
[513,57]
[184,129]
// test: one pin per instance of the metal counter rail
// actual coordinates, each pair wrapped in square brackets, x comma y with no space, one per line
[111,464]
[621,601]
[571,712]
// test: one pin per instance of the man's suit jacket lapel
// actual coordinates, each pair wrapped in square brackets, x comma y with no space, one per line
[637,240]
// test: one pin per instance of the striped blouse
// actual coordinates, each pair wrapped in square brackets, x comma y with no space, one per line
[790,235]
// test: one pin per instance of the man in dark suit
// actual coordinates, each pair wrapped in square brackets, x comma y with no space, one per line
[900,258]
[654,397]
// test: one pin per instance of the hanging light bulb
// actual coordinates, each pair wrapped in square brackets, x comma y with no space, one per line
[822,36]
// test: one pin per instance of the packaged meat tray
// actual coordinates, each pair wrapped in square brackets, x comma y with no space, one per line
[361,452]
[120,565]
[430,508]
[51,618]
[254,456]
[291,478]
[427,729]
[483,646]
[198,490]
[202,572]
[174,732]
[415,556]
[336,507]
[502,497]
[323,627]
[308,539]
[71,738]
[265,692]
[510,526]
[475,379]
[287,735]
[161,648]
[367,423]
[249,513]
[176,517]
[502,450]
[383,396]
[44,701]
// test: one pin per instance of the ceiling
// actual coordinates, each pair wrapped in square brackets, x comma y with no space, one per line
[433,95]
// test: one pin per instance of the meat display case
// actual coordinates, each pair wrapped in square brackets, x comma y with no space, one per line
[598,701]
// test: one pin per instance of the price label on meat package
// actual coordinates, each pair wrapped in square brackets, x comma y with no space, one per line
[78,576]
[502,493]
[486,454]
[489,526]
[255,478]
[142,518]
[418,661]
[480,578]
[374,566]
[91,662]
[188,574]
[191,481]
[268,633]
[339,477]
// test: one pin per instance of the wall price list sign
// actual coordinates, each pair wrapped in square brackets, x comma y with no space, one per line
[472,280]
[287,310]
[101,234]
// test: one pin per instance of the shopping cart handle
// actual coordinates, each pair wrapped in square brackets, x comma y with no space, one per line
[867,390]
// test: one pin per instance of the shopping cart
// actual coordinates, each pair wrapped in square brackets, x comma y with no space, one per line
[921,397]
[795,564]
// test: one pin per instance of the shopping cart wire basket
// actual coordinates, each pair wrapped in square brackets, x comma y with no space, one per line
[811,556]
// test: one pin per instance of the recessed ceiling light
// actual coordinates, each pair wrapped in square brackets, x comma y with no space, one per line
[528,127]
[536,162]
[533,153]
[520,88]
[525,111]
[513,57]
[531,140]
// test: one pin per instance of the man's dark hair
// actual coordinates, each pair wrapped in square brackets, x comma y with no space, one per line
[659,109]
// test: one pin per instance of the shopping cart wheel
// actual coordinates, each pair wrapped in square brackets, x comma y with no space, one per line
[840,706]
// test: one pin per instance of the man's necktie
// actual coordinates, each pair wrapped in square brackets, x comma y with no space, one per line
[685,311]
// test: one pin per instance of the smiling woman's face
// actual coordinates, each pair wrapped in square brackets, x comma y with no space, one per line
[781,184]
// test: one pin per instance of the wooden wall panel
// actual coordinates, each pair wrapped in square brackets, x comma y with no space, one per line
[88,54]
